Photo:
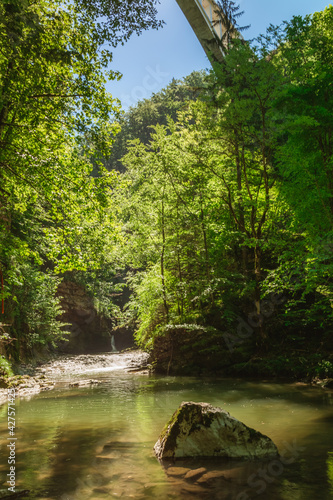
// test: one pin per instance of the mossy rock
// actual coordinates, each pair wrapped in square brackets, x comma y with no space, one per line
[201,430]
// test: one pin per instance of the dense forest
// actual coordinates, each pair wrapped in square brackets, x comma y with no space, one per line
[211,202]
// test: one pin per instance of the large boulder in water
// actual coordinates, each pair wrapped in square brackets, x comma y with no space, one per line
[201,430]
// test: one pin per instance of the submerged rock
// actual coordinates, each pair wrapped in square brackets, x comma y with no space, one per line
[4,494]
[201,430]
[84,383]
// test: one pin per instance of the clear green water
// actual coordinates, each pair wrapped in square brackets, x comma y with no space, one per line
[96,442]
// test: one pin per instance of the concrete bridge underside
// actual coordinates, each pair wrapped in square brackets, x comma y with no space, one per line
[206,24]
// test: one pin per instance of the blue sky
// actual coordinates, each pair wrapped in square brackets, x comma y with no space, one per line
[149,62]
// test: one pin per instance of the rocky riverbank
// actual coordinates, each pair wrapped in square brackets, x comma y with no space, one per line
[24,385]
[195,352]
[71,369]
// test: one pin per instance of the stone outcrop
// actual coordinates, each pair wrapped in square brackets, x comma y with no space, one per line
[201,430]
[173,353]
[89,331]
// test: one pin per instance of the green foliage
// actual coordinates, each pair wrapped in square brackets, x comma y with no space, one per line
[105,286]
[118,20]
[5,367]
[228,200]
[228,13]
[199,198]
[217,192]
[139,121]
[55,116]
[291,365]
[37,307]
[146,305]
[324,369]
[303,158]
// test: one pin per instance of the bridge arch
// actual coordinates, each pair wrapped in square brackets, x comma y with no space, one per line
[206,24]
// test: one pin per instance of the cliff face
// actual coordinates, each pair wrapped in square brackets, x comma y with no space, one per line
[89,332]
[189,352]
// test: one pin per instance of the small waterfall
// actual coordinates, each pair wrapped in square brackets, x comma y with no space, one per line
[113,344]
[82,364]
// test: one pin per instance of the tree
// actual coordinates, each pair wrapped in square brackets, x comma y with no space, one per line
[54,116]
[247,84]
[211,168]
[138,121]
[214,224]
[304,162]
[53,65]
[228,13]
[305,159]
[117,20]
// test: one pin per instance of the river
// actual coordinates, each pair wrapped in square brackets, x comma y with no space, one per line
[96,441]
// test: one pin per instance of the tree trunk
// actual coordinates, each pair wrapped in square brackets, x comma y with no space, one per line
[165,303]
[257,293]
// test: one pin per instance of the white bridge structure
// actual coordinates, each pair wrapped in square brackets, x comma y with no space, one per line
[206,23]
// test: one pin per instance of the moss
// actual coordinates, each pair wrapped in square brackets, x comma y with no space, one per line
[195,427]
[189,413]
[254,435]
[5,367]
[18,380]
[208,418]
[172,429]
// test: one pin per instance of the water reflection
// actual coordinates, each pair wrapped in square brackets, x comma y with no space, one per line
[330,470]
[96,442]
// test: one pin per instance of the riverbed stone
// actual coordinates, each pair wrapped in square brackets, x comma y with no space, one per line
[211,477]
[177,471]
[194,474]
[104,460]
[85,383]
[202,430]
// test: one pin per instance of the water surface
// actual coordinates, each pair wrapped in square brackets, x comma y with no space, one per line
[97,442]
